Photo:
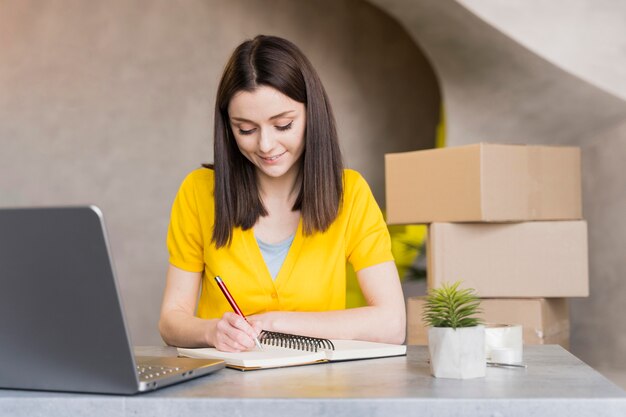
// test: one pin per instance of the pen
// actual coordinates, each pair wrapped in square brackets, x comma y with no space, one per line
[234,305]
[512,365]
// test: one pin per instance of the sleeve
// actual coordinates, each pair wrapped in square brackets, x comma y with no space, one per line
[184,235]
[368,240]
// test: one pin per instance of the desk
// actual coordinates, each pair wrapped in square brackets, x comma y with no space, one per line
[556,383]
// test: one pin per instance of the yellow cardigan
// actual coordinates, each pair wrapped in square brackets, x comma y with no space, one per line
[313,276]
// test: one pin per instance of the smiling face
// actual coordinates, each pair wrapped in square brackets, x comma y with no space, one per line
[269,129]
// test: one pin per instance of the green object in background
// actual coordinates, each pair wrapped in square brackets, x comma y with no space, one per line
[354,296]
[407,247]
[440,138]
[408,244]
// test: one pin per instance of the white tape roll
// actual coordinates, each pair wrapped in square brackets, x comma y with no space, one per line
[507,339]
[506,355]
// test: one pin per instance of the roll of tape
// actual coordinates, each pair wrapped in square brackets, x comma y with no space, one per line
[504,336]
[506,355]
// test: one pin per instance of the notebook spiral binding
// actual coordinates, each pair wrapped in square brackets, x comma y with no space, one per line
[293,341]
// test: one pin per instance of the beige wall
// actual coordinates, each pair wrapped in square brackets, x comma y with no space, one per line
[110,103]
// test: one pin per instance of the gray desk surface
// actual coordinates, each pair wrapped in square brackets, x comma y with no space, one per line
[556,383]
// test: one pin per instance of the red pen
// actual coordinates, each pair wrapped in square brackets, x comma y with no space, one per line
[234,305]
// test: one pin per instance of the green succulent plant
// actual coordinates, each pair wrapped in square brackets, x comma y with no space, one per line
[450,306]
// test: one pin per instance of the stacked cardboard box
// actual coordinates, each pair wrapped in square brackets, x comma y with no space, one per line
[543,320]
[504,219]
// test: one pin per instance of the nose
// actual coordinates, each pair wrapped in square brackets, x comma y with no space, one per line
[266,141]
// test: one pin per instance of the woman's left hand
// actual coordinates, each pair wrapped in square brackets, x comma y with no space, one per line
[263,321]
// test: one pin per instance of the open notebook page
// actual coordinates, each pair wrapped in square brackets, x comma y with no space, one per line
[358,349]
[273,356]
[269,357]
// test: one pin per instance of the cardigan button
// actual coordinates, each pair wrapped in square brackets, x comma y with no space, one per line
[274,295]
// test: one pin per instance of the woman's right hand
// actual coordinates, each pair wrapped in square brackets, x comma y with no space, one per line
[234,334]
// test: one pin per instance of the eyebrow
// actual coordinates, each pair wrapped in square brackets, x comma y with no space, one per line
[278,116]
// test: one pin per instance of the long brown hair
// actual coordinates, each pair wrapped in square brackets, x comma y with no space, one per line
[277,63]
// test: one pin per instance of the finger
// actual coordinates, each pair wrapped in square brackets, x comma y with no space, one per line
[229,346]
[257,326]
[228,341]
[244,340]
[242,324]
[233,335]
[233,345]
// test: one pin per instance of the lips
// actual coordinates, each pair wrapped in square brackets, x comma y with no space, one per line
[273,158]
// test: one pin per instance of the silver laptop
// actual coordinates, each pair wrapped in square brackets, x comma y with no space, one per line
[61,322]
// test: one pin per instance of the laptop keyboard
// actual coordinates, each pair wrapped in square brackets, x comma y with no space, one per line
[155,371]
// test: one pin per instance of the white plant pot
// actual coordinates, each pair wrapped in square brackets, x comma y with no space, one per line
[457,353]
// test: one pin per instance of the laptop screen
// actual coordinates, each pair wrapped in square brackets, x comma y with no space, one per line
[60,315]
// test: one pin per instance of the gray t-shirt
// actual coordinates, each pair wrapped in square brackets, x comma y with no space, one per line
[274,254]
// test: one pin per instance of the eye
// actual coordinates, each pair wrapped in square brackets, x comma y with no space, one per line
[285,127]
[246,132]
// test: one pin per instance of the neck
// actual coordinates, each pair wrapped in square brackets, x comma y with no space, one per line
[284,189]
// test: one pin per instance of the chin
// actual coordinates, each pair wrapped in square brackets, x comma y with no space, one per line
[274,173]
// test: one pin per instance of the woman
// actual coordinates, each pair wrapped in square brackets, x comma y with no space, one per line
[276,217]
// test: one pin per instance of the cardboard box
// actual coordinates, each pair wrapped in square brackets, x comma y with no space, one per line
[483,182]
[544,320]
[531,259]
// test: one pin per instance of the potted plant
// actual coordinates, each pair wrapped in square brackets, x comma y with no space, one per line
[456,338]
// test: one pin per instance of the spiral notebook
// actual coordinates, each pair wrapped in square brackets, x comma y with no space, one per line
[281,350]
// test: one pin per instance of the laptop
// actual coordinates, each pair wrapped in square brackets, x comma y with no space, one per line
[62,327]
